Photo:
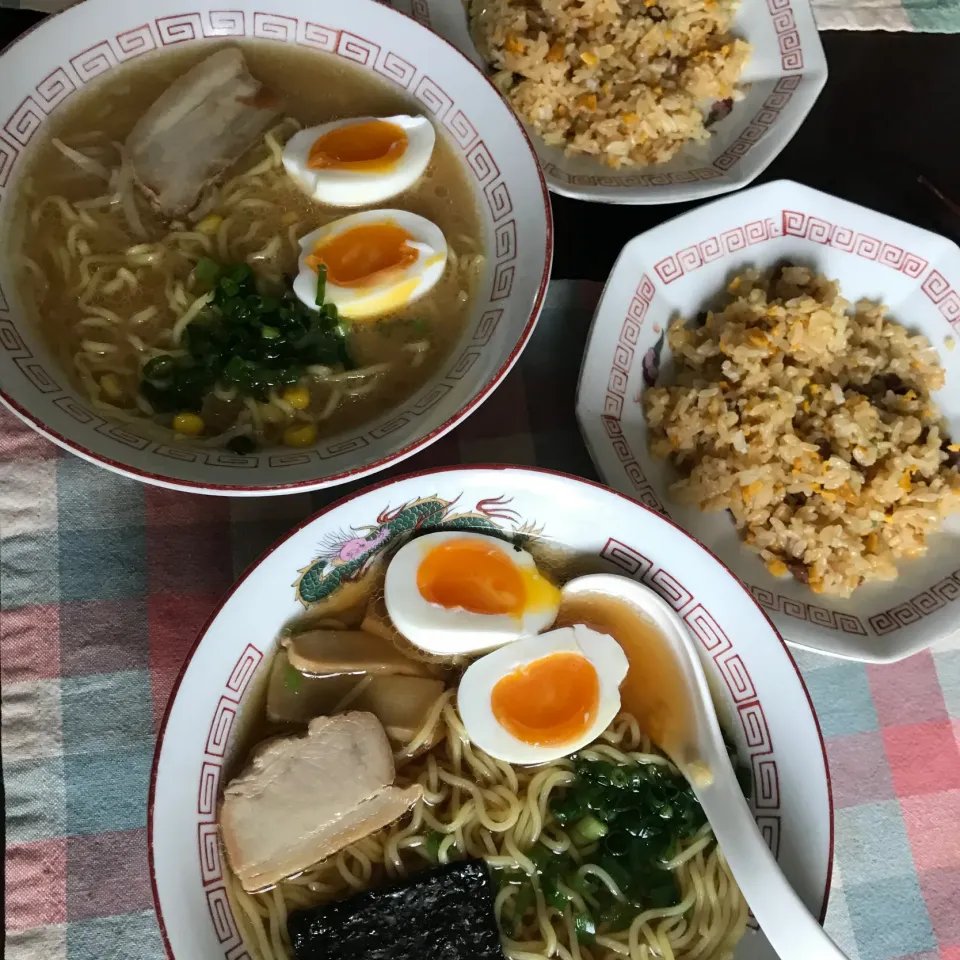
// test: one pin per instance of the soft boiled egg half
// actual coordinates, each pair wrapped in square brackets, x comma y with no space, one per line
[374,262]
[458,592]
[543,697]
[361,160]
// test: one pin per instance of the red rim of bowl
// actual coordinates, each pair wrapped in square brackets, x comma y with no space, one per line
[196,486]
[419,474]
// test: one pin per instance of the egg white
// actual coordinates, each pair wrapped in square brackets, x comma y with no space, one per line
[446,632]
[358,188]
[479,679]
[378,299]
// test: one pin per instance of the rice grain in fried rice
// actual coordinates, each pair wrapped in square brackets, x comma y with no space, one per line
[813,425]
[630,82]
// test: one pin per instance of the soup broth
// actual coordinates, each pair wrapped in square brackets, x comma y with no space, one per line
[108,278]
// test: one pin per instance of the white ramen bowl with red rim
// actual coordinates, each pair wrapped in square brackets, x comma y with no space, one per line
[761,698]
[67,53]
[785,74]
[679,268]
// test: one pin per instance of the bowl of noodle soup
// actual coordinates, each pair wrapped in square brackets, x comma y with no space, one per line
[183,307]
[460,804]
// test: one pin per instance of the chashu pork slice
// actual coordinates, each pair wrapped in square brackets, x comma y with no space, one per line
[301,799]
[197,128]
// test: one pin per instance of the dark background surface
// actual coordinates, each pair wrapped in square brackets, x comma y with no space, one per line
[887,120]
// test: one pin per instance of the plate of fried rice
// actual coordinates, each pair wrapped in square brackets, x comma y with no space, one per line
[643,101]
[778,373]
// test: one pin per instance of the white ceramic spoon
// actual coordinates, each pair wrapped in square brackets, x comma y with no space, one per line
[695,745]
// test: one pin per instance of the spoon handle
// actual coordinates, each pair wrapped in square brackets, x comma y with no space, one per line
[790,928]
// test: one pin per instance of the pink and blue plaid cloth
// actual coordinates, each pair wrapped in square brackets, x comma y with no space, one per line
[104,583]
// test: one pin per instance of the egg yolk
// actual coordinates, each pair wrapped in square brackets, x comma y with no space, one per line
[473,576]
[364,255]
[549,701]
[369,146]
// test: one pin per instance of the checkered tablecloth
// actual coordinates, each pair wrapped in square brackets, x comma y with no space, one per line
[104,583]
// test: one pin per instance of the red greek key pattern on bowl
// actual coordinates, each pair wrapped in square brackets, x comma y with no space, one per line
[821,616]
[916,608]
[631,180]
[796,223]
[273,26]
[93,62]
[762,121]
[940,293]
[702,624]
[211,769]
[788,37]
[624,354]
[421,12]
[400,71]
[695,256]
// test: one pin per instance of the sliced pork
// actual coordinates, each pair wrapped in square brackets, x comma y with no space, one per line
[301,799]
[196,129]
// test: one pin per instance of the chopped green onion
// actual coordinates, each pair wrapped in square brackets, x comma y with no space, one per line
[206,271]
[292,678]
[584,927]
[269,333]
[321,284]
[159,368]
[589,829]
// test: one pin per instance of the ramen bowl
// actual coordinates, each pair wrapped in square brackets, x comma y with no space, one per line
[780,83]
[760,696]
[88,44]
[681,269]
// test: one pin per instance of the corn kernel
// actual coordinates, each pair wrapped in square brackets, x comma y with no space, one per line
[110,385]
[752,489]
[588,100]
[905,483]
[512,44]
[189,424]
[734,283]
[953,447]
[298,397]
[302,435]
[777,567]
[629,119]
[589,58]
[667,34]
[871,543]
[555,53]
[209,226]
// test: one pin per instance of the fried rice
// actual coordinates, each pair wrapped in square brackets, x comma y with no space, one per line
[630,82]
[813,425]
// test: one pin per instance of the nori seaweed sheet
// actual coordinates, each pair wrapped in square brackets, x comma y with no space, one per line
[444,913]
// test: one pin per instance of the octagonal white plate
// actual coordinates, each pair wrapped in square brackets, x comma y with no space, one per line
[680,267]
[760,694]
[782,81]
